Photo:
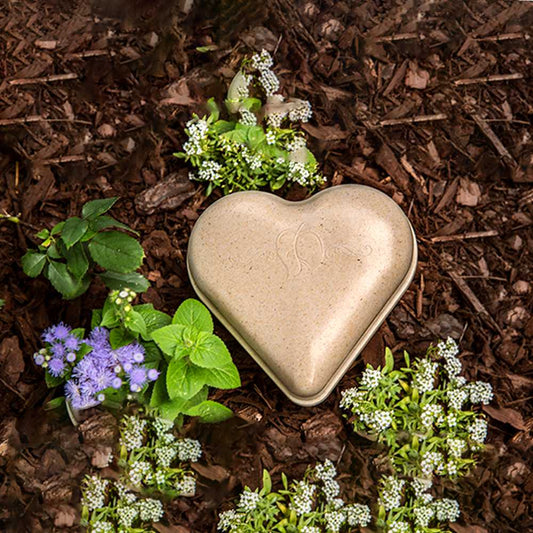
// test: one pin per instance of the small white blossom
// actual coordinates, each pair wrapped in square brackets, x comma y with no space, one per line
[446,510]
[262,61]
[423,515]
[126,515]
[330,489]
[301,112]
[310,529]
[424,379]
[296,144]
[139,471]
[457,398]
[187,486]
[270,137]
[420,486]
[209,171]
[302,501]
[228,520]
[358,515]
[165,455]
[248,501]
[189,450]
[370,378]
[431,461]
[391,494]
[456,447]
[379,420]
[94,492]
[150,510]
[269,81]
[480,392]
[335,520]
[102,526]
[133,432]
[275,120]
[447,348]
[247,117]
[325,471]
[430,412]
[398,526]
[478,430]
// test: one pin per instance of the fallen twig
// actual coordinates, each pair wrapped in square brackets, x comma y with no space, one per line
[89,53]
[473,300]
[465,236]
[489,133]
[63,159]
[488,79]
[20,120]
[397,37]
[412,120]
[44,79]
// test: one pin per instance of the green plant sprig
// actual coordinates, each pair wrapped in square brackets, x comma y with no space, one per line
[69,252]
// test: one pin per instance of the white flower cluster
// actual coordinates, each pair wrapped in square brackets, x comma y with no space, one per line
[102,526]
[325,471]
[229,521]
[371,378]
[248,501]
[132,432]
[478,430]
[189,450]
[358,514]
[379,420]
[352,398]
[430,413]
[274,120]
[310,529]
[150,510]
[447,348]
[209,171]
[399,526]
[139,471]
[94,492]
[270,137]
[301,112]
[431,461]
[335,520]
[269,81]
[254,160]
[296,144]
[247,117]
[391,494]
[262,61]
[302,501]
[127,514]
[457,398]
[456,447]
[165,455]
[197,130]
[330,489]
[186,486]
[424,379]
[423,515]
[480,392]
[446,510]
[420,487]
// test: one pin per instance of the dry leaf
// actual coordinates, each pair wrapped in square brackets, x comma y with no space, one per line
[326,133]
[416,78]
[212,472]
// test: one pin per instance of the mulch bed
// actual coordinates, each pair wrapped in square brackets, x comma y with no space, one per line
[428,101]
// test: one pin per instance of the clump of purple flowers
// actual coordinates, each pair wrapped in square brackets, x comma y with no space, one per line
[61,351]
[103,368]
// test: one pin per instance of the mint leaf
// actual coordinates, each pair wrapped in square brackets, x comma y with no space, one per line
[171,409]
[135,322]
[225,377]
[152,318]
[73,231]
[209,351]
[183,379]
[131,280]
[33,263]
[210,412]
[119,337]
[93,209]
[105,221]
[159,392]
[169,338]
[116,251]
[193,313]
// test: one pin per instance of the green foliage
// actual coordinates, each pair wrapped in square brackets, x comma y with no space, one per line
[254,145]
[69,253]
[308,506]
[189,357]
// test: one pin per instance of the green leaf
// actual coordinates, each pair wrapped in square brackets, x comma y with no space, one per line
[96,318]
[389,361]
[33,263]
[253,105]
[209,351]
[213,110]
[168,338]
[106,221]
[222,126]
[120,337]
[171,409]
[93,209]
[255,136]
[52,381]
[130,280]
[135,322]
[116,251]
[267,482]
[152,318]
[224,377]
[43,234]
[63,281]
[194,313]
[77,261]
[56,403]
[159,392]
[57,228]
[53,251]
[183,379]
[210,412]
[73,231]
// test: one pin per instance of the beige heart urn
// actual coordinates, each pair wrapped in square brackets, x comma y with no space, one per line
[303,286]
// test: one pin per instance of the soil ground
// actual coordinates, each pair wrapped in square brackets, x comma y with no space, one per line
[429,101]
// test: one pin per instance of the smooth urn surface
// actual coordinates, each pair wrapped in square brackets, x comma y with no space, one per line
[303,286]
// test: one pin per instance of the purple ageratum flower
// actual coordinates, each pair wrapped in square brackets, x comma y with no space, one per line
[71,357]
[117,383]
[56,366]
[137,377]
[73,394]
[38,358]
[56,333]
[102,378]
[72,343]
[153,374]
[99,339]
[131,353]
[58,349]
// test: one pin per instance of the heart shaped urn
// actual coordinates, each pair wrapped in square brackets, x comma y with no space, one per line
[303,286]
